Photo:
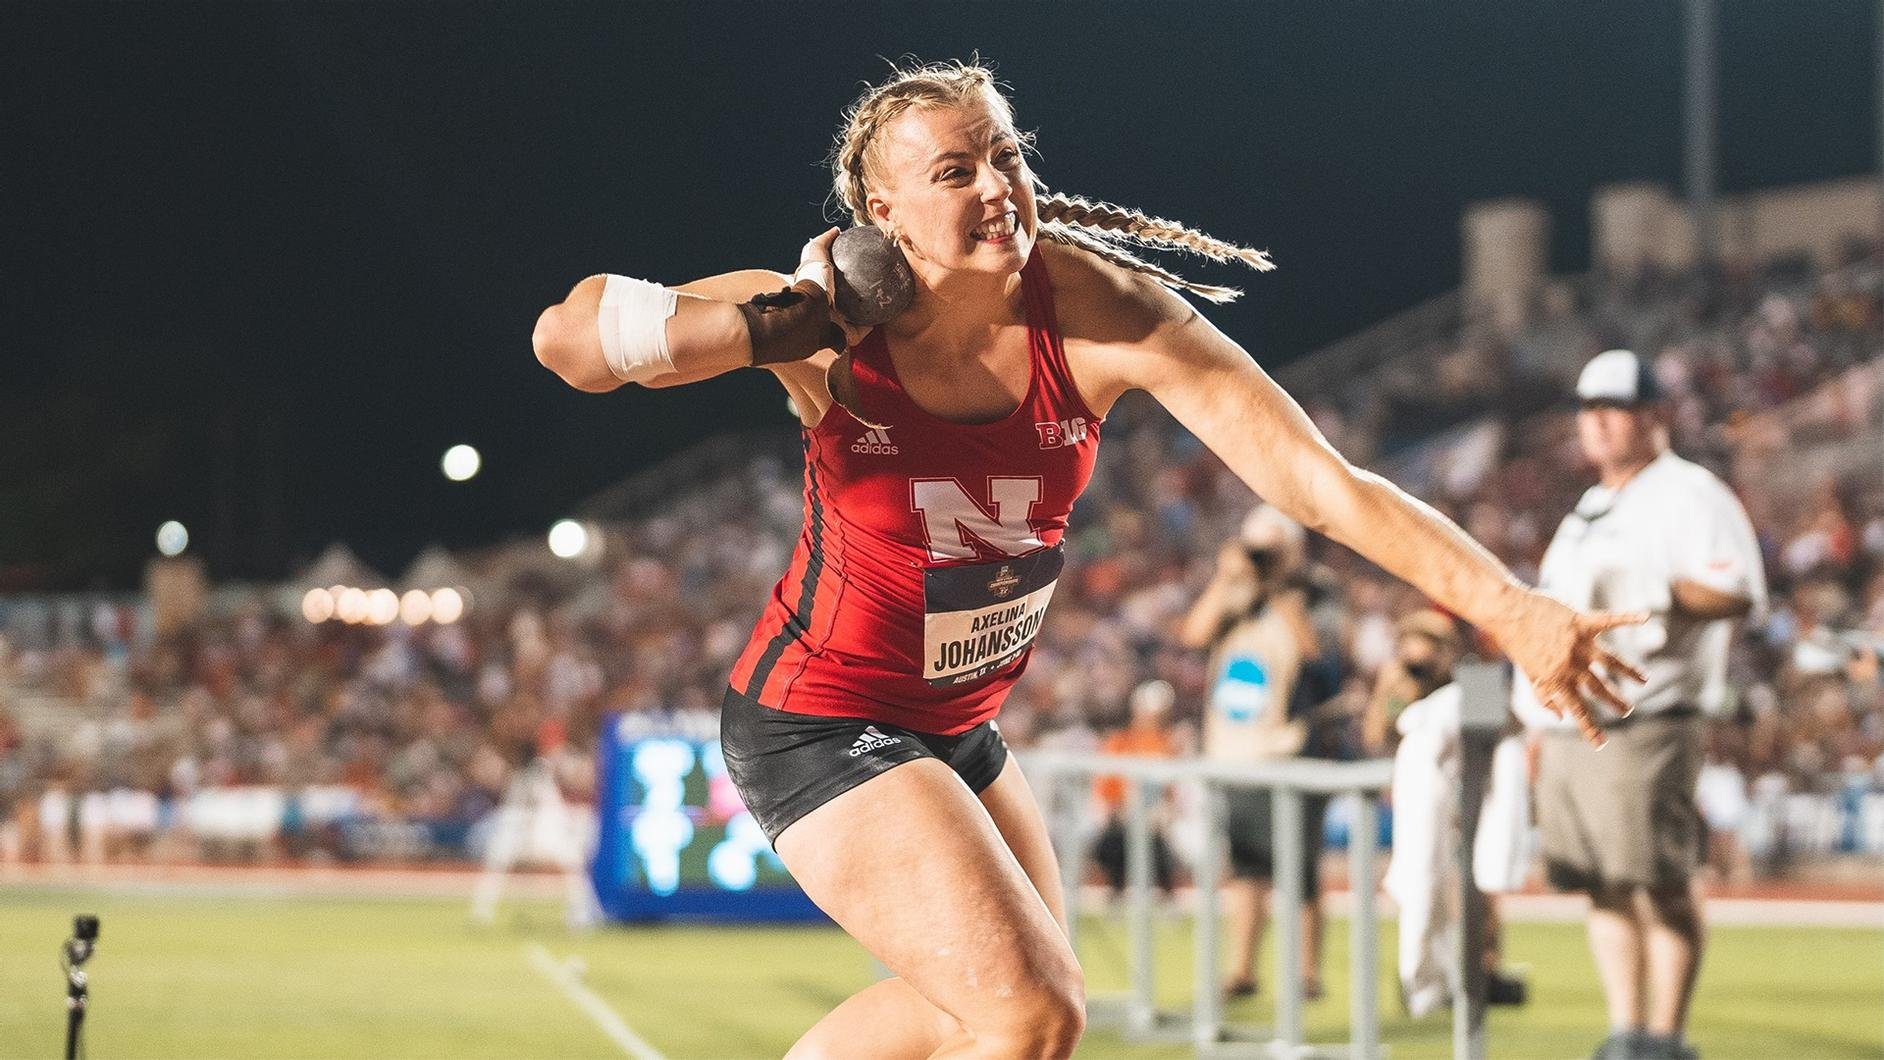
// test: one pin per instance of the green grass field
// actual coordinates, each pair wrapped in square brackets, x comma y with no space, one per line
[382,977]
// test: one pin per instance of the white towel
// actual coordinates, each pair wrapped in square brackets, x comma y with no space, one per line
[1421,877]
[1501,851]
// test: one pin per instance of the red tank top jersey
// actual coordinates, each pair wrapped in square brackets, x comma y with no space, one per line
[930,548]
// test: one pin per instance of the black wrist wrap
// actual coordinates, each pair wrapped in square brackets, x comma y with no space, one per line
[790,325]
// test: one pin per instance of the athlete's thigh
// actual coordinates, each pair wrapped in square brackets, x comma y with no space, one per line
[913,867]
[1016,813]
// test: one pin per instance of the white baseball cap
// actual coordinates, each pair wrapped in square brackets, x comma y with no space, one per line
[1153,697]
[1618,377]
[1265,524]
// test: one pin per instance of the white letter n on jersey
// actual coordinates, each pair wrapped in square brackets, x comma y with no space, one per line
[954,522]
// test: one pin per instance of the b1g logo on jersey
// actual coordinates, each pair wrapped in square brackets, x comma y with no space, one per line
[1058,434]
[954,523]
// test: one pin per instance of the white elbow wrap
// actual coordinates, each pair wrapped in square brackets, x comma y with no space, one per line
[632,321]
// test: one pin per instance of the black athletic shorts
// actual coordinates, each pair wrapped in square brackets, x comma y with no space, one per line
[786,765]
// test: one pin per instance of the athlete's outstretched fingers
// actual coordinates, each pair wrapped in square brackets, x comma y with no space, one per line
[1616,666]
[1586,724]
[913,867]
[1604,621]
[1599,688]
[1567,704]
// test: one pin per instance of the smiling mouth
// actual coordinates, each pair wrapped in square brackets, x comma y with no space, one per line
[999,230]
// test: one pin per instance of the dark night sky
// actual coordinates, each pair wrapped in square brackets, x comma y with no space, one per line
[260,265]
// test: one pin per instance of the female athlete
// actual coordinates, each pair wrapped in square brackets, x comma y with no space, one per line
[943,452]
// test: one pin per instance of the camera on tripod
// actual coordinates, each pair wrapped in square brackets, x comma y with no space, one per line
[72,957]
[78,948]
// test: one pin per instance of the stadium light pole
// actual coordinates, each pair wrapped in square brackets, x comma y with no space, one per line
[1699,113]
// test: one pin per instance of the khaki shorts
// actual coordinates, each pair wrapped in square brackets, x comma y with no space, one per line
[1624,815]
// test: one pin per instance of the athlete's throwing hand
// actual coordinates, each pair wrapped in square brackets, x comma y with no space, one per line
[1556,647]
[814,263]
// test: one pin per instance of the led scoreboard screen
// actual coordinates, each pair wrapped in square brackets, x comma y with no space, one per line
[675,840]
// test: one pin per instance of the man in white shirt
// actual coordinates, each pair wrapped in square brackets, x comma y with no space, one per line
[1661,535]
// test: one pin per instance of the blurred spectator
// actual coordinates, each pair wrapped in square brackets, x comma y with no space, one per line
[1723,798]
[1253,618]
[1661,536]
[372,732]
[1417,700]
[1147,735]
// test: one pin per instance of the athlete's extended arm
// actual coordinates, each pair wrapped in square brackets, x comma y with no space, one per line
[706,335]
[715,328]
[1217,391]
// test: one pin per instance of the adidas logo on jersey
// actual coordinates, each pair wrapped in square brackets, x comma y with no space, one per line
[871,740]
[876,442]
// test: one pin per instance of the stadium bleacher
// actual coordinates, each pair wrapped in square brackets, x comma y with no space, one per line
[258,735]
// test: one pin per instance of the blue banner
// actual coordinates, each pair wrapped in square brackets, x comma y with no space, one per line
[675,841]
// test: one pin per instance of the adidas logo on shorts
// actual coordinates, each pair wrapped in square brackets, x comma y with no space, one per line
[871,740]
[875,442]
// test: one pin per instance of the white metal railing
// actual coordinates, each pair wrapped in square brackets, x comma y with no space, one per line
[1290,780]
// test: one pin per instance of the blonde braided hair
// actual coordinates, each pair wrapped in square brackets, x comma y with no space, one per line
[1101,228]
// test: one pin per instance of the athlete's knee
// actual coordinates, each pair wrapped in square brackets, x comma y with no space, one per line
[1046,1020]
[1067,1009]
[1067,1023]
[1047,1040]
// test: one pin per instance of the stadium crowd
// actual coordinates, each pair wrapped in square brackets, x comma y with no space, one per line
[393,740]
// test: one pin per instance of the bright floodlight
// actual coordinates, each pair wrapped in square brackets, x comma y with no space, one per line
[317,605]
[415,607]
[350,606]
[447,606]
[382,606]
[172,538]
[568,538]
[461,462]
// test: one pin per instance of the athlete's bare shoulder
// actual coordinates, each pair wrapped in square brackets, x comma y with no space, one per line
[1108,317]
[1097,301]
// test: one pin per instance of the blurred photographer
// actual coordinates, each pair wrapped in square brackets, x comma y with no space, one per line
[1253,618]
[1426,648]
[1416,705]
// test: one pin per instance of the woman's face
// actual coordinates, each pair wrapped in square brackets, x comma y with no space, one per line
[952,183]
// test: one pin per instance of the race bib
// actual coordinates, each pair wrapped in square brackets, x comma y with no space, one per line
[977,619]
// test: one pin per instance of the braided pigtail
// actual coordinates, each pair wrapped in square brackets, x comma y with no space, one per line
[1101,228]
[1106,230]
